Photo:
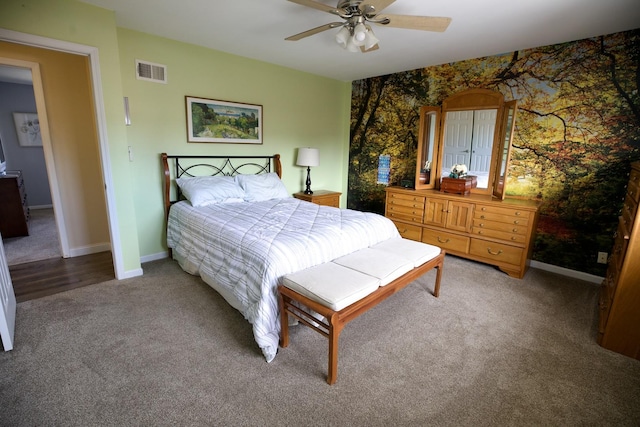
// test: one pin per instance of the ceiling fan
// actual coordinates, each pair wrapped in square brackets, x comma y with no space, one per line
[356,34]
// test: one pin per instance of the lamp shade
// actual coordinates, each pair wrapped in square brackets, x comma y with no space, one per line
[308,157]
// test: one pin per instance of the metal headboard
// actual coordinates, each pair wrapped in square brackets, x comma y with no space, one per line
[191,166]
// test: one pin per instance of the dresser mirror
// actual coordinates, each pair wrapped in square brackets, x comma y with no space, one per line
[474,128]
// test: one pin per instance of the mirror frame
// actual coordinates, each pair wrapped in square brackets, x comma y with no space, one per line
[428,147]
[470,99]
[507,129]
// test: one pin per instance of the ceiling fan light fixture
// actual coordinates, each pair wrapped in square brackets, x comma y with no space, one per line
[359,34]
[343,36]
[352,46]
[370,40]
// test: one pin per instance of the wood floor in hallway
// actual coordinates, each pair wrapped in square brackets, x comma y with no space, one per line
[37,279]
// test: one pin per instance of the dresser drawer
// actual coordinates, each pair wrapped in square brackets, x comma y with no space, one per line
[496,212]
[405,200]
[408,231]
[497,230]
[619,248]
[611,278]
[604,306]
[629,210]
[633,188]
[446,241]
[496,252]
[402,216]
[406,210]
[519,220]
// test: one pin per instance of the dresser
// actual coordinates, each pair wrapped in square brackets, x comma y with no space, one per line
[619,304]
[14,211]
[478,227]
[321,197]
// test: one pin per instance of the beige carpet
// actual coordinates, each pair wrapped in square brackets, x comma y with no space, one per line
[41,243]
[165,349]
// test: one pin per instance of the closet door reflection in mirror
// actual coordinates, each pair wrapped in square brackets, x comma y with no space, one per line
[468,140]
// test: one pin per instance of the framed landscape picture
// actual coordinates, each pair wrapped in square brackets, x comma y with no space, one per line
[210,120]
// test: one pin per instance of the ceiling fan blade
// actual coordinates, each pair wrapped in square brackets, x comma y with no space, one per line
[378,5]
[371,49]
[317,5]
[424,23]
[313,31]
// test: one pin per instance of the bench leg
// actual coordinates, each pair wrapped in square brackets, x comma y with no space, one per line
[284,323]
[436,288]
[335,327]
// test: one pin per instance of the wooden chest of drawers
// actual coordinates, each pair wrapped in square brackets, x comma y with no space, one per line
[497,232]
[14,210]
[619,304]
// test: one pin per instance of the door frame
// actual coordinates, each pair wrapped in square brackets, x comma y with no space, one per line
[101,120]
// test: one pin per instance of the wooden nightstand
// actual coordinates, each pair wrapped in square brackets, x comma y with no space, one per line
[321,197]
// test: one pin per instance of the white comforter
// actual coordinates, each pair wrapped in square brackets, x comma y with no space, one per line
[245,248]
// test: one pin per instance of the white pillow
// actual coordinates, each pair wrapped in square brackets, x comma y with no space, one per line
[207,190]
[265,186]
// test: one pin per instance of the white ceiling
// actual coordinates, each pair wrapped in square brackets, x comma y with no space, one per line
[257,29]
[17,75]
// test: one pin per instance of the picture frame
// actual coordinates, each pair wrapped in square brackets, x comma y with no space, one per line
[28,129]
[211,120]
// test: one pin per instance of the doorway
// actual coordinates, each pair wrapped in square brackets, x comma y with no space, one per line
[38,239]
[71,204]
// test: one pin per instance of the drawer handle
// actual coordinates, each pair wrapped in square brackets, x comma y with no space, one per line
[494,253]
[515,230]
[516,222]
[513,238]
[483,208]
[443,241]
[482,224]
[481,216]
[480,232]
[444,210]
[517,213]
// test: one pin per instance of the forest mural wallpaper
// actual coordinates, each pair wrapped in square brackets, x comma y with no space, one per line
[577,131]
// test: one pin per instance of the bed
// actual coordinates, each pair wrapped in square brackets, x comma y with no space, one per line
[241,242]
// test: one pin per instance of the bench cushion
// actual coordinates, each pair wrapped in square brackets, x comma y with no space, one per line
[332,285]
[417,252]
[380,264]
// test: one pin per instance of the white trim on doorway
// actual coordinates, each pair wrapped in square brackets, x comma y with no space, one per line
[101,120]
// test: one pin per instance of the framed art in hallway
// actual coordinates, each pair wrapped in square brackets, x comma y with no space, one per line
[28,129]
[210,120]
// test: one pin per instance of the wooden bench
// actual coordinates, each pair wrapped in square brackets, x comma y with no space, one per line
[339,291]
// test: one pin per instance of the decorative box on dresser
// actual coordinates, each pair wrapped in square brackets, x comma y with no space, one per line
[14,211]
[619,322]
[478,227]
[321,197]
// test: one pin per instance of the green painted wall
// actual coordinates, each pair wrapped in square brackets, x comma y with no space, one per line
[299,109]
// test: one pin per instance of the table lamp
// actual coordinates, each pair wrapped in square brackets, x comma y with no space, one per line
[308,157]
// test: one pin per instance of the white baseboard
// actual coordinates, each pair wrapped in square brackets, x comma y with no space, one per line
[567,272]
[36,207]
[132,273]
[88,250]
[154,257]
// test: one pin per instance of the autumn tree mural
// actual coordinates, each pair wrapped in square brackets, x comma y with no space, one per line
[577,131]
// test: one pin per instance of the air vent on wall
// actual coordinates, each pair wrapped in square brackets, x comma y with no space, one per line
[152,72]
